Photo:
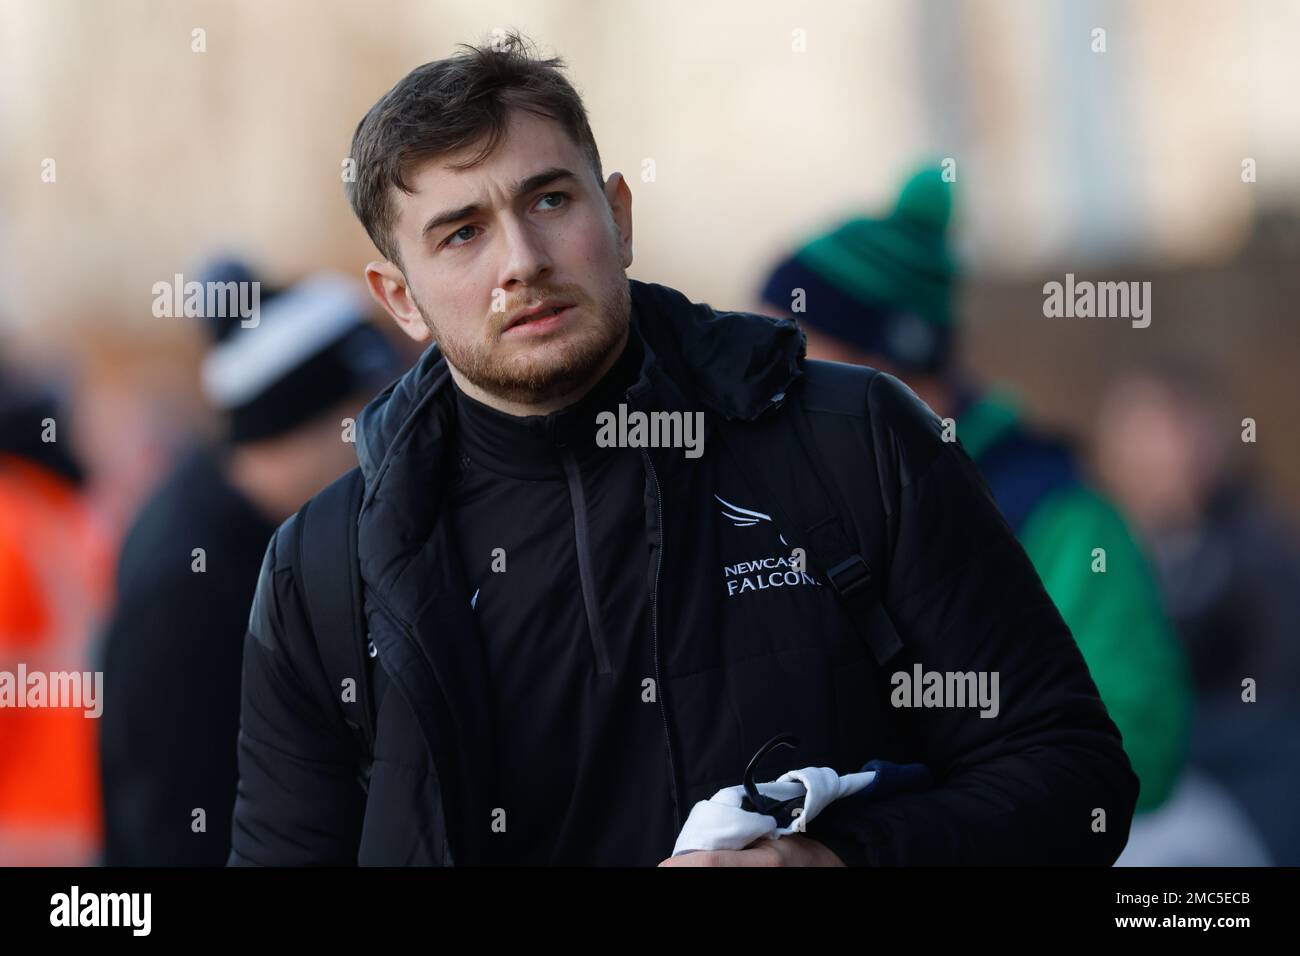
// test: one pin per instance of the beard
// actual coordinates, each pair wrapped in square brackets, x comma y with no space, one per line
[545,370]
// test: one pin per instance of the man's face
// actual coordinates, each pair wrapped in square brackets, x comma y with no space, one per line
[528,224]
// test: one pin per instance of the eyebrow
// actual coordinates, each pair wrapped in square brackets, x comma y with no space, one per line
[521,188]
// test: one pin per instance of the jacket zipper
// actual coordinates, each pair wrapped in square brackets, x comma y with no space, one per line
[578,499]
[654,639]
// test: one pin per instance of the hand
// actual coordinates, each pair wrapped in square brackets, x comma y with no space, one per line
[786,851]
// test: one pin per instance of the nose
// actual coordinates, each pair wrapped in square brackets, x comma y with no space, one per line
[526,260]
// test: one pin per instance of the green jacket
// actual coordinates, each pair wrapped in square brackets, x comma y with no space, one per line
[1115,614]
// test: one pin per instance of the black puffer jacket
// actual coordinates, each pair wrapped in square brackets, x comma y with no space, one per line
[742,649]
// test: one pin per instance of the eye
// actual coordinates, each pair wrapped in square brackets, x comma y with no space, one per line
[448,241]
[560,195]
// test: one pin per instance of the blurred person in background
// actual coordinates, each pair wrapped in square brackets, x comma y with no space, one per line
[880,292]
[1229,569]
[55,570]
[173,648]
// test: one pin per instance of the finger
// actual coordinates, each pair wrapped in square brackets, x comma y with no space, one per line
[691,858]
[765,853]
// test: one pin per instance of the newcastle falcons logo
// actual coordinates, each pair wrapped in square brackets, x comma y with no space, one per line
[744,517]
[741,517]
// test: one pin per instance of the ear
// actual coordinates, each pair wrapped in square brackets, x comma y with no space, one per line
[619,196]
[388,287]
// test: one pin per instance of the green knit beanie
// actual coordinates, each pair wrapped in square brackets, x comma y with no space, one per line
[883,284]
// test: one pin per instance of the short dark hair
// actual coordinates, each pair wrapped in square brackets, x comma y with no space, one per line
[448,105]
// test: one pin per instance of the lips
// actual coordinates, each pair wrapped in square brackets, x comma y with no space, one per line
[547,309]
[541,323]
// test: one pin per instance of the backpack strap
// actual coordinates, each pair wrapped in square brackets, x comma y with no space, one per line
[775,455]
[330,580]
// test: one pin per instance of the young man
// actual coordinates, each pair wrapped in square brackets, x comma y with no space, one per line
[576,632]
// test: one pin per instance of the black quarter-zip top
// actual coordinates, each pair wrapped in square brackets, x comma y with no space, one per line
[551,532]
[582,546]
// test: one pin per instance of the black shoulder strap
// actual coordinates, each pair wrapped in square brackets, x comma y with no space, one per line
[776,457]
[331,581]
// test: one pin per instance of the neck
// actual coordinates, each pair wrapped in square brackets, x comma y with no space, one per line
[545,406]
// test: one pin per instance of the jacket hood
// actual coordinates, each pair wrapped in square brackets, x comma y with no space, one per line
[735,363]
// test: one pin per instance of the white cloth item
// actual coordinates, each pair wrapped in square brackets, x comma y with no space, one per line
[719,823]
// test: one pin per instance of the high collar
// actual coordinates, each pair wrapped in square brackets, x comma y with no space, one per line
[736,364]
[531,446]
